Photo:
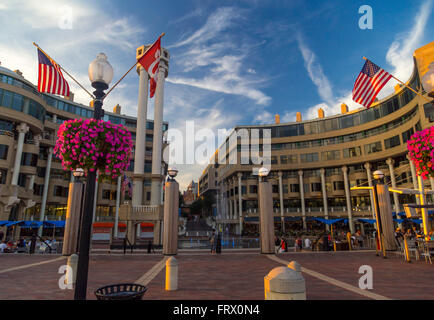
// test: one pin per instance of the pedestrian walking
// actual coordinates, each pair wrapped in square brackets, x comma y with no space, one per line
[219,243]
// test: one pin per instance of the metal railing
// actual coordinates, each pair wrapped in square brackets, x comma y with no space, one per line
[145,209]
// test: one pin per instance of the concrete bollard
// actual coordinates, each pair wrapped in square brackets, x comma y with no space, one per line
[72,264]
[283,283]
[171,274]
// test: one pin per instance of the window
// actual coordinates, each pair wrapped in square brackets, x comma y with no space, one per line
[309,157]
[283,159]
[40,171]
[373,147]
[3,175]
[352,152]
[407,135]
[29,159]
[338,185]
[3,151]
[22,180]
[285,188]
[273,160]
[316,187]
[253,189]
[38,189]
[243,190]
[294,187]
[392,142]
[275,188]
[330,155]
[60,191]
[109,194]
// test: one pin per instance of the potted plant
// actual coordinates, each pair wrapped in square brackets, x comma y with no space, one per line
[421,152]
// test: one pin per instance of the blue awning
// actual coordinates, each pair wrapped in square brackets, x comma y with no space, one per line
[3,222]
[327,221]
[30,224]
[371,221]
[12,223]
[54,224]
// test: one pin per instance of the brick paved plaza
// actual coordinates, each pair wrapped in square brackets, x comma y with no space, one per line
[233,275]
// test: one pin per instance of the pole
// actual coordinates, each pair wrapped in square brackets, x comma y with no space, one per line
[86,224]
[91,95]
[118,200]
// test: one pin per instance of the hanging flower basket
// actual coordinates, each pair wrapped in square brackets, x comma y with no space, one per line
[421,152]
[94,145]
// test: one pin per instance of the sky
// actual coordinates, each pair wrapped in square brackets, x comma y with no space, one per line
[232,62]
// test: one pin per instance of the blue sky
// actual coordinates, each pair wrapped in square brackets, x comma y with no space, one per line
[232,62]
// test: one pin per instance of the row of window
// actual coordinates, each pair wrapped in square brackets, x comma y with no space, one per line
[347,153]
[344,138]
[18,102]
[346,121]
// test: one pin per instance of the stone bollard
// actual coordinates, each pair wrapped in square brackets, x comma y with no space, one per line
[171,274]
[72,264]
[283,283]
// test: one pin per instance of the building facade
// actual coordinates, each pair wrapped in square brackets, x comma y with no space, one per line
[314,163]
[190,195]
[32,180]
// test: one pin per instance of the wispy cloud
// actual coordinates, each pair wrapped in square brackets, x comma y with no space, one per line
[219,58]
[400,53]
[221,19]
[315,71]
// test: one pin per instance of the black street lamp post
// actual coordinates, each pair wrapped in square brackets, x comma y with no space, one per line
[100,75]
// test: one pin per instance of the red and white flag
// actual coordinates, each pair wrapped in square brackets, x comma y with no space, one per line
[50,77]
[151,61]
[369,83]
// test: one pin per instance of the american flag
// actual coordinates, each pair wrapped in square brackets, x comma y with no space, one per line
[369,83]
[50,78]
[126,183]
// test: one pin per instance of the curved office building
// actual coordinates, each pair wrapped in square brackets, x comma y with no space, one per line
[31,177]
[314,163]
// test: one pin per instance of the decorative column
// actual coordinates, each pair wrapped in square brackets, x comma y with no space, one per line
[282,209]
[324,196]
[413,177]
[158,130]
[347,195]
[390,162]
[303,207]
[171,205]
[140,143]
[371,192]
[22,130]
[46,182]
[240,202]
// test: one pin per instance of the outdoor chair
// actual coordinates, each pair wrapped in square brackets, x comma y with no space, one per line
[427,246]
[412,248]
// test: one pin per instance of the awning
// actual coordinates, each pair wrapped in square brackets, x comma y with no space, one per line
[371,221]
[54,224]
[328,221]
[12,223]
[3,222]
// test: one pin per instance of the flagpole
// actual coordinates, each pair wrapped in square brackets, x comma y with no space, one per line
[162,35]
[406,85]
[91,95]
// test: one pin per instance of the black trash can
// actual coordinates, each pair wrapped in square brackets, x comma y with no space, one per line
[123,291]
